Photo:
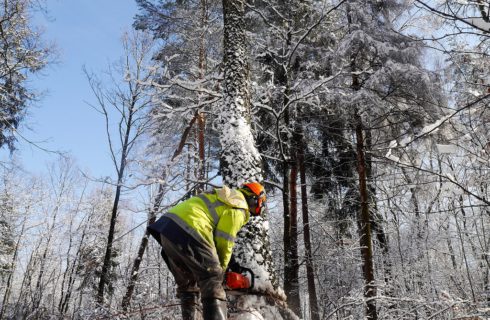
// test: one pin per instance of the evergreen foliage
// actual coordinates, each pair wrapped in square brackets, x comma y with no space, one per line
[23,54]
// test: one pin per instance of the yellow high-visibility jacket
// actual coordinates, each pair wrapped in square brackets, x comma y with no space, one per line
[215,218]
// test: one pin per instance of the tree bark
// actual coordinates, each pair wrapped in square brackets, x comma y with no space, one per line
[365,228]
[70,267]
[152,214]
[201,120]
[8,286]
[286,241]
[141,251]
[310,273]
[201,123]
[104,276]
[292,278]
[38,294]
[240,159]
[377,222]
[65,300]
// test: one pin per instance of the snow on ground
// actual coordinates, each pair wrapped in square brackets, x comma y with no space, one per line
[251,314]
[254,307]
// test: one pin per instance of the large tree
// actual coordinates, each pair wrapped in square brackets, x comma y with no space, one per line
[21,54]
[384,93]
[241,161]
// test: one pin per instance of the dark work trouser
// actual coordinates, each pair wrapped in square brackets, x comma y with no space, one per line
[195,267]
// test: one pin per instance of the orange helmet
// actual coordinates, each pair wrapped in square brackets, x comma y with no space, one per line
[255,194]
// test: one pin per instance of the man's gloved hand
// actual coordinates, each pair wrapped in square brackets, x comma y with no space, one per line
[233,265]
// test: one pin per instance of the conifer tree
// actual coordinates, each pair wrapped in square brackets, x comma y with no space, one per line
[386,94]
[240,159]
[22,54]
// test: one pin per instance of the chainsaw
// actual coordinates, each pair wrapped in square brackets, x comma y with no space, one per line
[238,283]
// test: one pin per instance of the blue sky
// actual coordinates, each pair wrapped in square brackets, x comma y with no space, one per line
[86,32]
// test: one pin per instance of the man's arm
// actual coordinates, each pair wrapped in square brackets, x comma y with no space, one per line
[228,226]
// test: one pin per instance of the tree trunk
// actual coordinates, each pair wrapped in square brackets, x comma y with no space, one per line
[70,268]
[152,214]
[141,251]
[310,273]
[201,121]
[241,162]
[65,300]
[365,228]
[24,292]
[377,222]
[201,124]
[104,276]
[68,271]
[364,219]
[290,206]
[240,159]
[286,241]
[291,279]
[38,294]
[8,286]
[463,250]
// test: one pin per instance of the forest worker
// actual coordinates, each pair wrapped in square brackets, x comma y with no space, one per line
[197,238]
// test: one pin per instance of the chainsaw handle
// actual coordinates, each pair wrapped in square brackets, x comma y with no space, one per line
[252,275]
[233,265]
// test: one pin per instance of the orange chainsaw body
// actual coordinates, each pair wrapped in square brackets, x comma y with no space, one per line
[236,280]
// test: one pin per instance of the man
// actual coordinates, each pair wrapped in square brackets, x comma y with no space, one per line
[197,238]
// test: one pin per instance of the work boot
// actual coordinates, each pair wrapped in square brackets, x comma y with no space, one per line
[189,302]
[214,309]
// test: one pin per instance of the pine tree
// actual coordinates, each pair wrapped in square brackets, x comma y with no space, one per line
[283,34]
[388,89]
[240,160]
[23,54]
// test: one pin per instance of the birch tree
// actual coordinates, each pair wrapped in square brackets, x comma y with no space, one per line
[129,103]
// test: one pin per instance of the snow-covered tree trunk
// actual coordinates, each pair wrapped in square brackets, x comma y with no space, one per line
[241,162]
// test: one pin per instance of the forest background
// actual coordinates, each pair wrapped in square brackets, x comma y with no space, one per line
[368,122]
